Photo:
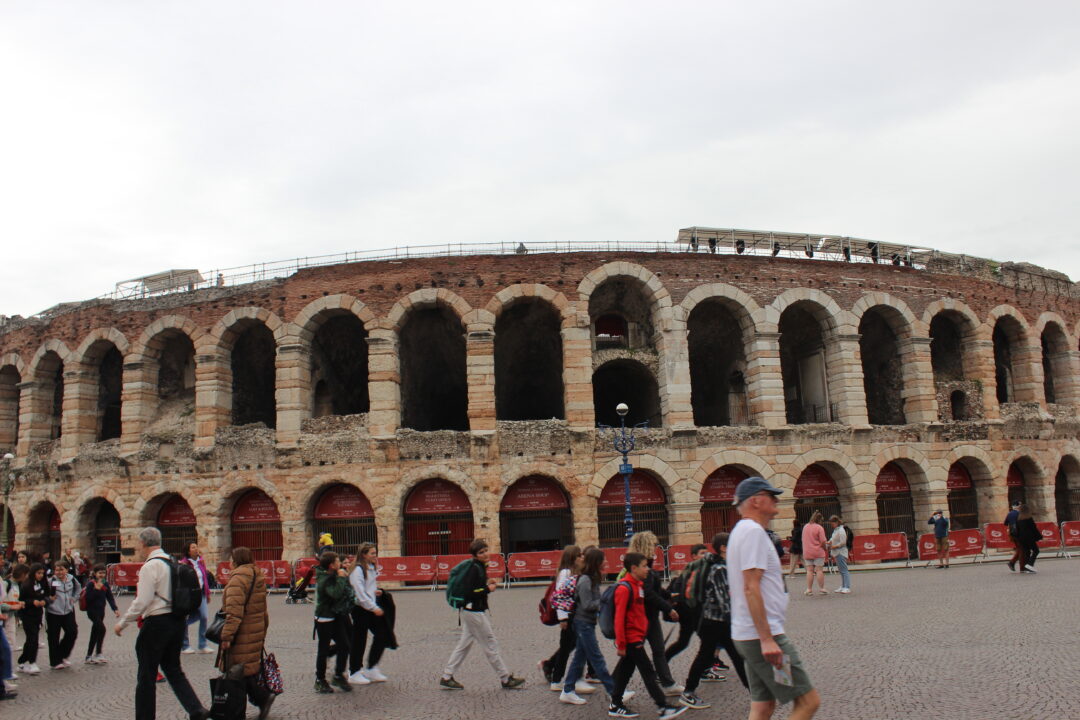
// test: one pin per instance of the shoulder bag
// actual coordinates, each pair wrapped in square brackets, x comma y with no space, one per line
[217,624]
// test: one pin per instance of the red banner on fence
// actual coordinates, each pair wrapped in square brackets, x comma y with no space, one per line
[305,564]
[224,570]
[613,560]
[496,566]
[420,568]
[1051,538]
[678,557]
[445,563]
[1070,533]
[961,543]
[997,536]
[282,573]
[124,574]
[880,548]
[543,564]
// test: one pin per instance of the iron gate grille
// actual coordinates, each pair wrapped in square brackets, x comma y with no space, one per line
[717,517]
[1068,505]
[828,506]
[448,534]
[963,509]
[531,530]
[348,534]
[175,538]
[107,545]
[896,513]
[262,538]
[612,526]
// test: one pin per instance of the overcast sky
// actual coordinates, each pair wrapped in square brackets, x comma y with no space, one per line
[136,136]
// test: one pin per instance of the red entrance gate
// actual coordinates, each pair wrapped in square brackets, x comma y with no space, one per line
[438,520]
[717,513]
[256,525]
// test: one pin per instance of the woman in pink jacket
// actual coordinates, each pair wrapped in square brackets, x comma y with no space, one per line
[814,544]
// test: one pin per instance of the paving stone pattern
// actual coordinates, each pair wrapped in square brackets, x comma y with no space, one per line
[971,642]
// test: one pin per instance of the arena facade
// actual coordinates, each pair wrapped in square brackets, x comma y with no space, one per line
[422,401]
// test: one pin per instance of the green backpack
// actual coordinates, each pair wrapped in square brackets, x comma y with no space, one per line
[457,585]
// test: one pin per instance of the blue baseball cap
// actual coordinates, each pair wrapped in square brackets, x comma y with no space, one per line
[752,486]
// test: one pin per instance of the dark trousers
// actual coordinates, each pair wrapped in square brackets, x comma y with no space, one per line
[567,643]
[334,632]
[97,632]
[257,694]
[713,633]
[635,657]
[1031,553]
[363,622]
[1018,551]
[31,622]
[62,631]
[158,645]
[688,622]
[654,636]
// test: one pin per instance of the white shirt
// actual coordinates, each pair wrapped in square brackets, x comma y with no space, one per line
[750,548]
[153,595]
[838,542]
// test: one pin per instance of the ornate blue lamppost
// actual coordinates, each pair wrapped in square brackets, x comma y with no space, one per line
[624,445]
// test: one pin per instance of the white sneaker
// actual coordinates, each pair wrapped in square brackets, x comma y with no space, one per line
[572,698]
[89,660]
[675,689]
[32,669]
[555,687]
[844,590]
[188,651]
[628,695]
[65,663]
[838,590]
[207,651]
[9,686]
[1030,569]
[583,688]
[357,678]
[100,659]
[374,674]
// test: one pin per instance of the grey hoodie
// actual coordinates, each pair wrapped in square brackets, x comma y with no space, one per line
[587,600]
[66,596]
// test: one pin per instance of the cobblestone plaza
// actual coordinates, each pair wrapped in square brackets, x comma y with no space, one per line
[978,642]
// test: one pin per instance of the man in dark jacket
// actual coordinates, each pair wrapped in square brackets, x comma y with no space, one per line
[1010,527]
[476,625]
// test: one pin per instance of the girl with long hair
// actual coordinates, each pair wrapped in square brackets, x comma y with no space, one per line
[367,617]
[554,668]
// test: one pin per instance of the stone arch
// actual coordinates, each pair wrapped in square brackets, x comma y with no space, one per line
[742,305]
[559,474]
[1015,375]
[885,325]
[1053,317]
[12,374]
[821,305]
[913,461]
[50,345]
[95,338]
[519,291]
[249,396]
[900,317]
[98,389]
[48,367]
[1030,460]
[392,501]
[1057,358]
[955,306]
[659,296]
[674,485]
[149,344]
[223,335]
[847,477]
[1006,310]
[974,452]
[528,354]
[311,316]
[424,298]
[234,488]
[14,360]
[753,464]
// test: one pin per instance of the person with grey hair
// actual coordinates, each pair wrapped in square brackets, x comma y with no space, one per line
[160,635]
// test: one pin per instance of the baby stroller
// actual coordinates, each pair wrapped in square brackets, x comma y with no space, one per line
[298,594]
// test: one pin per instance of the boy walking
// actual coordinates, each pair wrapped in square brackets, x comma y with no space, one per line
[631,626]
[476,625]
[60,621]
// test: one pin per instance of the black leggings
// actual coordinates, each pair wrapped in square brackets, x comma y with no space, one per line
[364,621]
[713,633]
[688,621]
[97,632]
[635,657]
[335,631]
[1031,554]
[62,631]
[31,622]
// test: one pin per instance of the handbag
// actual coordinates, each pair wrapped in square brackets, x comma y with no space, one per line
[217,625]
[228,696]
[270,674]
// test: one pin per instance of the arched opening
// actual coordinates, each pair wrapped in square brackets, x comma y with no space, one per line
[437,520]
[963,500]
[621,315]
[803,366]
[7,541]
[49,397]
[1067,490]
[882,366]
[256,524]
[648,507]
[110,384]
[43,531]
[895,507]
[253,377]
[815,490]
[717,365]
[1016,482]
[958,405]
[345,513]
[1007,335]
[434,386]
[528,362]
[535,515]
[339,367]
[717,495]
[630,382]
[946,346]
[106,533]
[1055,361]
[177,524]
[175,378]
[9,408]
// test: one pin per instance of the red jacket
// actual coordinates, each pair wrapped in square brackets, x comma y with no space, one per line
[630,621]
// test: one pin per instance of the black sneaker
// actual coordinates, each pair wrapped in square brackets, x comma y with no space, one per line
[721,664]
[322,687]
[713,676]
[545,667]
[1012,566]
[621,711]
[691,700]
[671,711]
[513,683]
[450,684]
[341,683]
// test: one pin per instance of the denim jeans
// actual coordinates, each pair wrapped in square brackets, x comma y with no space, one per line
[199,616]
[5,652]
[587,649]
[845,576]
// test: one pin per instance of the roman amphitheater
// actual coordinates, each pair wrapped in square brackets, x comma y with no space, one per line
[425,396]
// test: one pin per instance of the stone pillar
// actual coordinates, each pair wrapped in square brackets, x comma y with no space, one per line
[684,523]
[674,371]
[859,512]
[139,400]
[919,394]
[213,396]
[980,353]
[480,370]
[296,542]
[292,394]
[1028,373]
[33,423]
[384,383]
[577,373]
[1042,500]
[765,381]
[586,527]
[80,421]
[926,504]
[843,363]
[1066,368]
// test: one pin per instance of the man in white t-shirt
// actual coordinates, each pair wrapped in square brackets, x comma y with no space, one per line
[759,603]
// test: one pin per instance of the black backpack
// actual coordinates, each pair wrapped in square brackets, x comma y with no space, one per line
[850,538]
[187,596]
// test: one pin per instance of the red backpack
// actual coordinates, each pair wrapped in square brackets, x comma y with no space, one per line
[547,609]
